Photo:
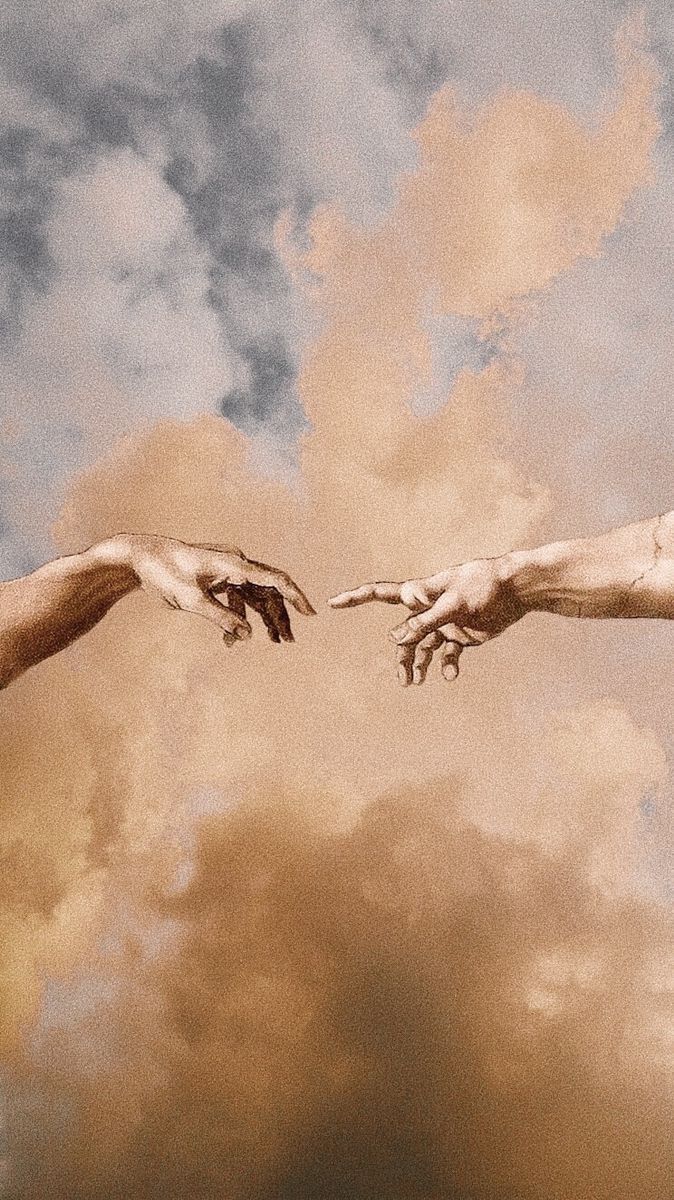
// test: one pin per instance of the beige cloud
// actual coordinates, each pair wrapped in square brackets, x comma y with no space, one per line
[503,200]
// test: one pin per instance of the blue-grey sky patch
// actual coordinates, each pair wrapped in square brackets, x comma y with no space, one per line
[457,345]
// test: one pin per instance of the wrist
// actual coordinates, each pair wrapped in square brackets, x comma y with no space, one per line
[539,578]
[117,556]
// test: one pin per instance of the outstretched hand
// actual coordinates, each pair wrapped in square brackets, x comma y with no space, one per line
[463,606]
[218,583]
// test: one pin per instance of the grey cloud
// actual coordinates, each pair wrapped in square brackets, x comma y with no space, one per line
[233,203]
[414,62]
[271,372]
[562,52]
[661,31]
[27,167]
[599,360]
[253,108]
[16,557]
[218,163]
[243,114]
[107,117]
[232,108]
[24,242]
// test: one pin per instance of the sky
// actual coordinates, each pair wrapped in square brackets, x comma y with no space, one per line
[367,288]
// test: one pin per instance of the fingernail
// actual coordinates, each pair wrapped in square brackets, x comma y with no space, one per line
[397,635]
[242,632]
[402,676]
[450,672]
[416,677]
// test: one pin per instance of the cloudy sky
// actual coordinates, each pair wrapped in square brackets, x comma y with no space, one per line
[367,287]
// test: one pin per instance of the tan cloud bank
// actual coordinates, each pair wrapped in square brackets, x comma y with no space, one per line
[274,928]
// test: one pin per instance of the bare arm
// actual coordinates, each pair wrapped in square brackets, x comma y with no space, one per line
[43,613]
[628,572]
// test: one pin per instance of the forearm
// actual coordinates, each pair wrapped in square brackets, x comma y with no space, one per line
[628,572]
[43,613]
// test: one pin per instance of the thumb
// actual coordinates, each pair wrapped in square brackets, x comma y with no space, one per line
[417,627]
[207,606]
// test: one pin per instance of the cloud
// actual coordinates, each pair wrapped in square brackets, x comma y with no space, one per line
[208,97]
[599,339]
[121,334]
[407,1005]
[227,118]
[288,929]
[199,112]
[562,55]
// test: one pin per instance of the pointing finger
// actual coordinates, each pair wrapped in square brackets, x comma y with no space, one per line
[386,593]
[269,577]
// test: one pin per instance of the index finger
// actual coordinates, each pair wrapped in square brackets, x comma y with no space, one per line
[386,593]
[265,576]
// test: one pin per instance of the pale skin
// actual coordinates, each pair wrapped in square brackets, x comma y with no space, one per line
[42,613]
[628,572]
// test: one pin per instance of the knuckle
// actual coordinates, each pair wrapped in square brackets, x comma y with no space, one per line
[414,594]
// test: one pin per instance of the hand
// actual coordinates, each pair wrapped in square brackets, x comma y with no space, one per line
[190,577]
[463,606]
